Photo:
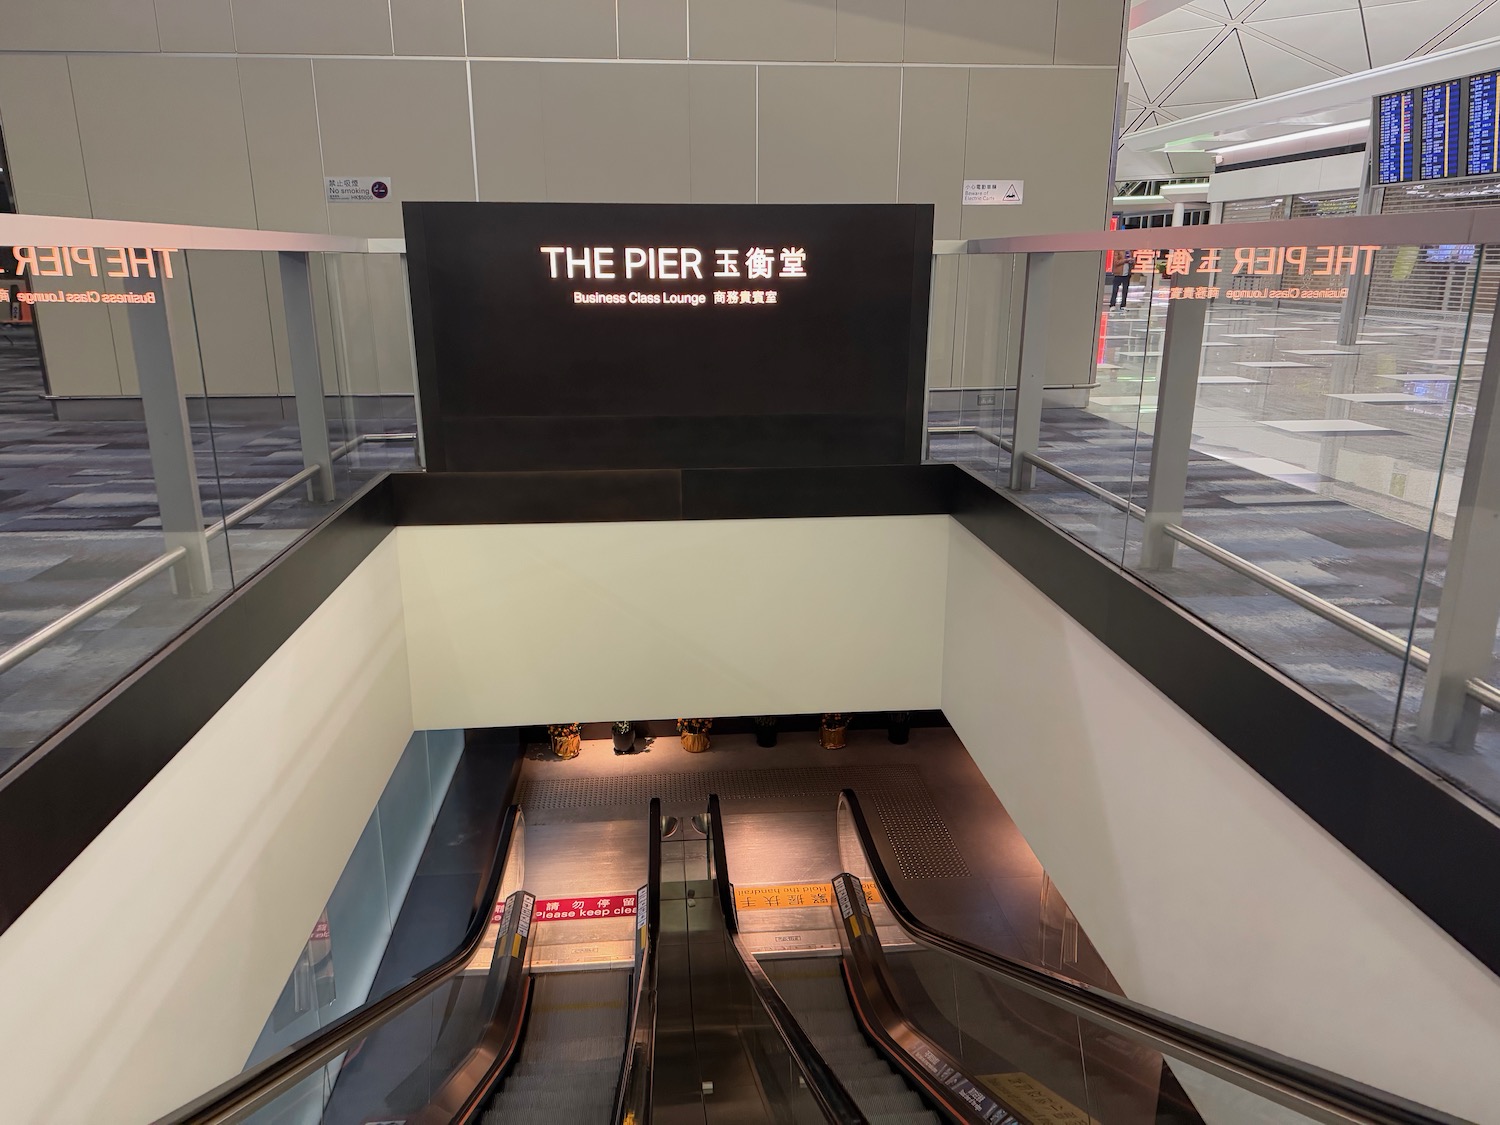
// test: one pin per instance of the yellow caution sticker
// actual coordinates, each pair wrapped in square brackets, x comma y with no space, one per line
[787,896]
[1034,1101]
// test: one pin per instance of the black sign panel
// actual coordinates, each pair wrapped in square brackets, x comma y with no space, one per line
[587,336]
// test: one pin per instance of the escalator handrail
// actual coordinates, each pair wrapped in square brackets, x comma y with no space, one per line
[1300,1086]
[837,1104]
[245,1092]
[634,1088]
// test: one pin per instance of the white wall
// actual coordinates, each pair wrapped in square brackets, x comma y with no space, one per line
[1344,172]
[1207,892]
[143,975]
[593,622]
[231,113]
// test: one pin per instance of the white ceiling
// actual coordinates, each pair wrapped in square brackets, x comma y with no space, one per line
[1208,55]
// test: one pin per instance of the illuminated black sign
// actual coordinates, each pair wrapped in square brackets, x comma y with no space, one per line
[566,336]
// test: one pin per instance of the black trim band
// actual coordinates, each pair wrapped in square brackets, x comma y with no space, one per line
[1426,842]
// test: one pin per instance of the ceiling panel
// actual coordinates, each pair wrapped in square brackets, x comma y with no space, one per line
[1222,76]
[1271,46]
[1159,59]
[1337,38]
[1276,70]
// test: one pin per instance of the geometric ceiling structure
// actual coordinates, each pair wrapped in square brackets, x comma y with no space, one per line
[1207,55]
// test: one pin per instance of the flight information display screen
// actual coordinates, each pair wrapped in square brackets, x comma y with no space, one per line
[1441,130]
[1396,156]
[1484,137]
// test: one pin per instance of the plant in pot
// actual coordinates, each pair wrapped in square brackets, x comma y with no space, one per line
[898,727]
[694,734]
[831,730]
[765,730]
[623,734]
[564,739]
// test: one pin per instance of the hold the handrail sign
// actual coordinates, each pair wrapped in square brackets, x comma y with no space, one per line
[790,896]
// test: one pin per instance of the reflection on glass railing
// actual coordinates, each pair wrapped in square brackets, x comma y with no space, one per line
[170,431]
[1274,436]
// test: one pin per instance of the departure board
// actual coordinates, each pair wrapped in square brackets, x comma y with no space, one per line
[1396,155]
[1484,136]
[1441,131]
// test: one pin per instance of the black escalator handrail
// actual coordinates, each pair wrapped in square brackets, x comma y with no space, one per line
[1306,1089]
[828,1091]
[242,1094]
[633,1091]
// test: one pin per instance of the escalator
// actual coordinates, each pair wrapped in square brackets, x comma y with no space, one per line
[891,1021]
[481,1036]
[919,1026]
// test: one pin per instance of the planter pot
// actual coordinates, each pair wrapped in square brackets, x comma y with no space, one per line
[765,735]
[695,743]
[831,738]
[566,746]
[899,733]
[624,743]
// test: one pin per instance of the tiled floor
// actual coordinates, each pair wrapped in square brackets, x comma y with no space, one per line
[78,512]
[1324,473]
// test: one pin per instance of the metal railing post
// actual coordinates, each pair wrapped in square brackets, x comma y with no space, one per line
[1032,377]
[1463,642]
[1171,443]
[168,434]
[307,374]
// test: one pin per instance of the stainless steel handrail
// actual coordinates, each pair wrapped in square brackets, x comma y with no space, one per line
[48,633]
[1485,694]
[28,646]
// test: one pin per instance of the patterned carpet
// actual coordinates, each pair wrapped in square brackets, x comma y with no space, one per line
[1311,510]
[78,512]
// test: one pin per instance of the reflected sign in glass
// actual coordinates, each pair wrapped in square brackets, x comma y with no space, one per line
[1396,157]
[1441,130]
[1484,137]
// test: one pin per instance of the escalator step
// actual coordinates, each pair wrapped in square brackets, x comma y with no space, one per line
[570,1057]
[815,993]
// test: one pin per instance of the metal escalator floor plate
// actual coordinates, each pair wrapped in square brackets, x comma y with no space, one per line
[919,839]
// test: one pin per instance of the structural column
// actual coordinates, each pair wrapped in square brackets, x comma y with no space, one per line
[1172,441]
[307,374]
[1464,641]
[1031,380]
[168,433]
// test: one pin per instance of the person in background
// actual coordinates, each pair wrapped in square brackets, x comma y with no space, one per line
[15,302]
[1119,278]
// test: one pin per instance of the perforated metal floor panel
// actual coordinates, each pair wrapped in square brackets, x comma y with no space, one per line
[897,796]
